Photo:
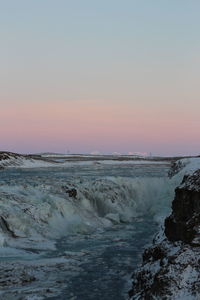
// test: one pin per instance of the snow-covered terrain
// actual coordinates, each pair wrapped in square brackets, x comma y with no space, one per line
[170,268]
[46,200]
[185,166]
[12,160]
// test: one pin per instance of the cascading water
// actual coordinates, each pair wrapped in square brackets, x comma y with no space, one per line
[93,225]
[47,209]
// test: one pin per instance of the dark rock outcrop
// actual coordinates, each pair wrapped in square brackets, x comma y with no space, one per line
[176,167]
[184,222]
[72,192]
[8,155]
[171,267]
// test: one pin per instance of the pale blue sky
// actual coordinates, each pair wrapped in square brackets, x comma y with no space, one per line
[140,54]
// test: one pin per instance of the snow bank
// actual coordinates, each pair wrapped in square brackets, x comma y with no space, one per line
[185,166]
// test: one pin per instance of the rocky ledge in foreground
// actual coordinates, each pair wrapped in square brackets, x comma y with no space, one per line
[171,267]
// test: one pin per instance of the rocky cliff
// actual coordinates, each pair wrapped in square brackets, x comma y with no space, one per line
[171,267]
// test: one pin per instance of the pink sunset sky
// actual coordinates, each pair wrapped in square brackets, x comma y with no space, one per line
[87,126]
[104,77]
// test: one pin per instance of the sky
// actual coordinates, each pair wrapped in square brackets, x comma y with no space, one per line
[107,76]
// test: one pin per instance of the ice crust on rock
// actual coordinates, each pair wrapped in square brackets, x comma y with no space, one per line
[171,269]
[185,166]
